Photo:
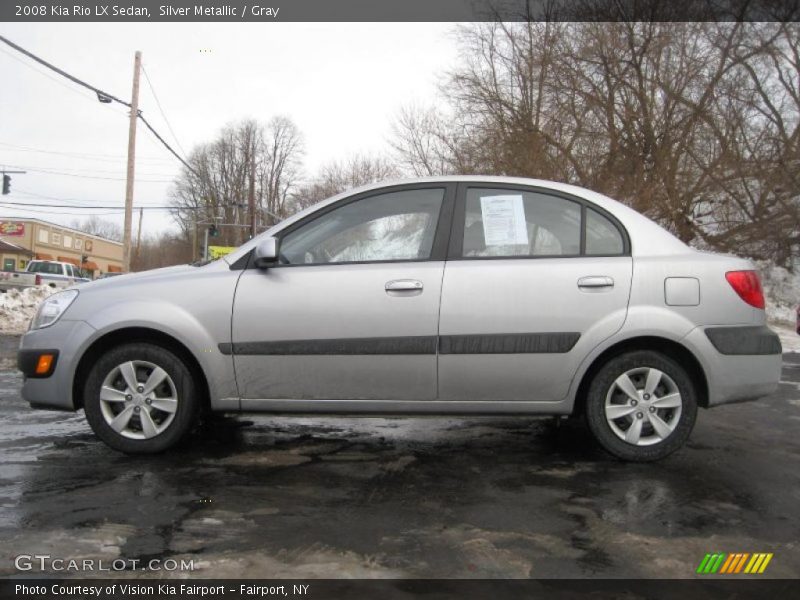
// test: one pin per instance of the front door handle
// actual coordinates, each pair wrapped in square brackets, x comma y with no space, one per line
[596,281]
[403,285]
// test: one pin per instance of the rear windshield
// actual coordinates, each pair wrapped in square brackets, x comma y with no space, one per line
[45,267]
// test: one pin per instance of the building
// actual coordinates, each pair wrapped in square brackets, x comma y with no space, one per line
[27,239]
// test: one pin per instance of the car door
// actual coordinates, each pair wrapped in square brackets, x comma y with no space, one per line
[351,310]
[534,280]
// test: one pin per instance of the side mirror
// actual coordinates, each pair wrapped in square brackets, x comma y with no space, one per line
[266,253]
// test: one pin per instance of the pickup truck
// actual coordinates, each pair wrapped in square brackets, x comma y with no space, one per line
[18,279]
[55,274]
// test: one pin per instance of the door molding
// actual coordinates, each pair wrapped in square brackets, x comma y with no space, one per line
[492,343]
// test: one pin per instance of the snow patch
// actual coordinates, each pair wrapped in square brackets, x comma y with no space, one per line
[17,308]
[781,291]
[790,340]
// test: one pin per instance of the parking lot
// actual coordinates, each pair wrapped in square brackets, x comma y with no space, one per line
[262,496]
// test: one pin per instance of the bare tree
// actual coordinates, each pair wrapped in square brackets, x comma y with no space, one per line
[427,142]
[282,148]
[94,225]
[338,176]
[162,250]
[694,124]
[216,189]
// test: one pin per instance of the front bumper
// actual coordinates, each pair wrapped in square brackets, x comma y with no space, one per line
[29,361]
[740,363]
[68,339]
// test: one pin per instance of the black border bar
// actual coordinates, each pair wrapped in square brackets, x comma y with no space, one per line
[706,588]
[266,11]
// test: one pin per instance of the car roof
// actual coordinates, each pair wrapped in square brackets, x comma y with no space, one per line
[647,237]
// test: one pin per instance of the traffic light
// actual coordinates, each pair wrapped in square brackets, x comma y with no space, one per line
[213,231]
[6,184]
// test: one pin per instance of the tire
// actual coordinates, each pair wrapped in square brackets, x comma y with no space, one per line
[657,421]
[172,407]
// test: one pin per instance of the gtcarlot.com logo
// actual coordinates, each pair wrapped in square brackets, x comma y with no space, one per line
[733,564]
[46,562]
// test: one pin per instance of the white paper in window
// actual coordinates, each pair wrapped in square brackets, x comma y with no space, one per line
[503,220]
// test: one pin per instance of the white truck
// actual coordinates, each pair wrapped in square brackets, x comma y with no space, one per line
[18,280]
[55,274]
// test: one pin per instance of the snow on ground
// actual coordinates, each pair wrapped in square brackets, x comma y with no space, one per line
[782,292]
[790,340]
[17,308]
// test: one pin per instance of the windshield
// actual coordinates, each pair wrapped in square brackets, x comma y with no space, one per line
[45,267]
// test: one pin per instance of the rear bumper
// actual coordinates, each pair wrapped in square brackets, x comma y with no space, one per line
[758,340]
[740,363]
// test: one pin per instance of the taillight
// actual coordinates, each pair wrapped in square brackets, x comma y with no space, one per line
[38,280]
[748,286]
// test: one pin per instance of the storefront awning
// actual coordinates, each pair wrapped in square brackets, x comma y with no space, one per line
[90,266]
[43,256]
[114,269]
[67,259]
[10,248]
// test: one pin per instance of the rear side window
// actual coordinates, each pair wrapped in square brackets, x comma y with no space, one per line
[602,236]
[510,223]
[45,267]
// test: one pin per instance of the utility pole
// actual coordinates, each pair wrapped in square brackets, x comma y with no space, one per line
[251,199]
[126,238]
[139,235]
[194,236]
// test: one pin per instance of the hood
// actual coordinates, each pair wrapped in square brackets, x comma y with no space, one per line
[153,275]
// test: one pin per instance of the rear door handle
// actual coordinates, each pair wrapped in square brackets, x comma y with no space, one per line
[596,281]
[403,285]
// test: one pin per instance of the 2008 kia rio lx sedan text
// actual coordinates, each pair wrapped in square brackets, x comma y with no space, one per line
[456,295]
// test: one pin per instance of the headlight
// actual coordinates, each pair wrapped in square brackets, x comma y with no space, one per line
[52,308]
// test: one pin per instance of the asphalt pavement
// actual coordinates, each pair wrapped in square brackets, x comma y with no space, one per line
[292,497]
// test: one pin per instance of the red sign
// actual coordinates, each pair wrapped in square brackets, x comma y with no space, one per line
[12,228]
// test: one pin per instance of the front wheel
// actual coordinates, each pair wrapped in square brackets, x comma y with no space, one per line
[140,399]
[641,406]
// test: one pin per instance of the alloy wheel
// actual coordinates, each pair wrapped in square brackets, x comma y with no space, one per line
[643,406]
[138,399]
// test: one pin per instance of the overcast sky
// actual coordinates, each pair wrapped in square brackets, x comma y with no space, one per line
[341,83]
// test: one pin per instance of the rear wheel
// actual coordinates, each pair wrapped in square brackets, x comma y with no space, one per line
[641,406]
[140,399]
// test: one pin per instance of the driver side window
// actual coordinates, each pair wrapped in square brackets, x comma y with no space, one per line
[392,226]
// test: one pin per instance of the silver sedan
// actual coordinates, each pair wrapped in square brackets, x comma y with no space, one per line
[453,295]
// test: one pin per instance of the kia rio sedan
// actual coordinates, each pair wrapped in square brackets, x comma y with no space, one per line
[454,295]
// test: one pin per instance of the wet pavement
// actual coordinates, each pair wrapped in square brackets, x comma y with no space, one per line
[260,496]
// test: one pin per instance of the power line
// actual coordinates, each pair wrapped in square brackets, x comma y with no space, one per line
[101,95]
[53,79]
[79,202]
[86,155]
[166,145]
[71,214]
[90,171]
[53,172]
[9,204]
[161,109]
